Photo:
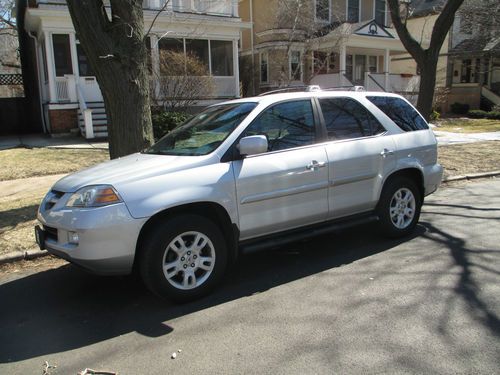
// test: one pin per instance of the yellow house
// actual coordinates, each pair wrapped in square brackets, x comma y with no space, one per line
[331,43]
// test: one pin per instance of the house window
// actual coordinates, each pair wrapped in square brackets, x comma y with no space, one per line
[380,12]
[352,10]
[222,57]
[62,54]
[295,68]
[84,68]
[348,67]
[199,49]
[264,67]
[320,62]
[466,71]
[44,62]
[322,8]
[372,64]
[168,45]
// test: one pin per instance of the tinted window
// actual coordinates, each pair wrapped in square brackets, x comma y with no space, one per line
[285,125]
[399,111]
[346,118]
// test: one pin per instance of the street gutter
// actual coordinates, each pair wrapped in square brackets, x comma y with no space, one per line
[34,254]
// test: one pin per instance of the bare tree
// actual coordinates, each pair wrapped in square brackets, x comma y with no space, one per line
[115,46]
[7,19]
[482,17]
[426,58]
[181,81]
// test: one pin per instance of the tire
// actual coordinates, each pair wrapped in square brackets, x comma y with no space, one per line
[399,207]
[183,258]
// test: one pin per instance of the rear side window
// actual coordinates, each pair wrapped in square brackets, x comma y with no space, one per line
[286,125]
[399,111]
[346,118]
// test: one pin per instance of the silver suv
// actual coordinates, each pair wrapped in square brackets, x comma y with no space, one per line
[242,176]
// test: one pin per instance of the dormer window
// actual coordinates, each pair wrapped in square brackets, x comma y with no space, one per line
[380,12]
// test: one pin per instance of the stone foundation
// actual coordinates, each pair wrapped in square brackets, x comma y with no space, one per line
[63,120]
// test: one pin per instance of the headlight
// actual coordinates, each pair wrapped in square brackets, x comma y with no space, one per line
[94,196]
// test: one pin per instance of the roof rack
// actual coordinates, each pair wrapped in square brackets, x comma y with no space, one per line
[313,88]
[301,88]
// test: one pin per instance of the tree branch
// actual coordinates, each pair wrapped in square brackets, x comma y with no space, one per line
[411,45]
[156,16]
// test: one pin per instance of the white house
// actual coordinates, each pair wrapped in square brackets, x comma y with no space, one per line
[70,97]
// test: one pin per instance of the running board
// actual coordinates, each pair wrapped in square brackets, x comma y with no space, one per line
[282,238]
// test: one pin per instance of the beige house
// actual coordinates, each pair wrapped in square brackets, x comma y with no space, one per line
[333,43]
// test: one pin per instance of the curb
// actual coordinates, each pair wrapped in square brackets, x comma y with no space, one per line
[471,176]
[27,255]
[34,254]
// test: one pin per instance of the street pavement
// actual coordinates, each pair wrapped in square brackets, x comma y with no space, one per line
[346,304]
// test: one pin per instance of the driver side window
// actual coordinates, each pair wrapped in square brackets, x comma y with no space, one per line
[286,125]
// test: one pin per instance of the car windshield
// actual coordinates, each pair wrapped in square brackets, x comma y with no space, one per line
[204,132]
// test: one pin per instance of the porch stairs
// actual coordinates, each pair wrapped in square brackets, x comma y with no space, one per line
[492,96]
[99,120]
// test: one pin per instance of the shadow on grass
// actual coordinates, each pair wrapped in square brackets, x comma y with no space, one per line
[11,218]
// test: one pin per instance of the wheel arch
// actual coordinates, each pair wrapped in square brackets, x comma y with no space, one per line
[209,210]
[413,173]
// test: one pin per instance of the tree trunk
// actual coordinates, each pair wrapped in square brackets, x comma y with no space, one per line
[427,86]
[118,55]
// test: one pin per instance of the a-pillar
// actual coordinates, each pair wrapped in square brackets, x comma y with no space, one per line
[387,58]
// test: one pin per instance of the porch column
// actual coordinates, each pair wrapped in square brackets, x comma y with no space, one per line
[50,67]
[342,69]
[236,72]
[155,63]
[387,58]
[76,73]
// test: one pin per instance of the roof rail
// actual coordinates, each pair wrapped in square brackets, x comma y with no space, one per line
[305,88]
[345,88]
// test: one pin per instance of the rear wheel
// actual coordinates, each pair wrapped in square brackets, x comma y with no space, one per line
[399,207]
[183,258]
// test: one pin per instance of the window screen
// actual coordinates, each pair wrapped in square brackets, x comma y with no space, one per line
[62,54]
[222,58]
[399,111]
[286,125]
[345,118]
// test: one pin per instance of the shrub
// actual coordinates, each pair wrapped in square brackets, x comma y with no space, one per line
[459,108]
[164,122]
[477,113]
[493,115]
[435,115]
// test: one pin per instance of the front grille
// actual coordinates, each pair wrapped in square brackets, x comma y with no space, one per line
[52,199]
[50,233]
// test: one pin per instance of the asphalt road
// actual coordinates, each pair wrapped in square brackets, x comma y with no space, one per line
[348,304]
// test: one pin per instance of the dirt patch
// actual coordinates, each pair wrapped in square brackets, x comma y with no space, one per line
[465,125]
[469,158]
[45,263]
[24,162]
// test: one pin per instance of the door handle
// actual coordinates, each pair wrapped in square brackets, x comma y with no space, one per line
[386,152]
[313,165]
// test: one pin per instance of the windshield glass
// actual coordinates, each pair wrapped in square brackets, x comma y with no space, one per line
[204,132]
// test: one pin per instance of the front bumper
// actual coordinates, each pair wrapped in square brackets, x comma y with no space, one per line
[107,236]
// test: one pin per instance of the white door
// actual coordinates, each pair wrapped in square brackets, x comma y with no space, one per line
[287,186]
[359,156]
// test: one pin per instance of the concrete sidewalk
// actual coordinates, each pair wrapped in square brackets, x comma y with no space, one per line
[43,140]
[448,138]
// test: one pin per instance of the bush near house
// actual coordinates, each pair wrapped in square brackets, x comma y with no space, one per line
[164,122]
[493,115]
[459,108]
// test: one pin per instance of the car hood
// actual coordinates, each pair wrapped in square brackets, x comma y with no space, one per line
[127,169]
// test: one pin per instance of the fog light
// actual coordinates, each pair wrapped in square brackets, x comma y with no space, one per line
[73,238]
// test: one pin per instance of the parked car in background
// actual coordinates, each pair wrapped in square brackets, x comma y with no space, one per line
[242,176]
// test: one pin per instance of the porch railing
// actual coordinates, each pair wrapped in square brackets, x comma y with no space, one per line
[62,92]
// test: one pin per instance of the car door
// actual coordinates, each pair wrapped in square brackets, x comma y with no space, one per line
[287,186]
[359,153]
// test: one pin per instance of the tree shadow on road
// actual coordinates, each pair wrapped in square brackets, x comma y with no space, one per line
[65,308]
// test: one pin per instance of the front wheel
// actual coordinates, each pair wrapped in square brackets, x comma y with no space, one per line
[399,207]
[183,258]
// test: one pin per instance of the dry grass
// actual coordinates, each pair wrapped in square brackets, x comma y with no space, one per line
[23,162]
[17,220]
[464,125]
[467,158]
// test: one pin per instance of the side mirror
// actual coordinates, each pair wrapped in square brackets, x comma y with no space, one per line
[252,145]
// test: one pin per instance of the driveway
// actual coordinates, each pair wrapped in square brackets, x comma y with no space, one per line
[347,304]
